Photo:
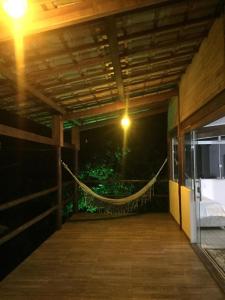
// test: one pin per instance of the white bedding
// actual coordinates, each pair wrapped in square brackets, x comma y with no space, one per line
[212,206]
[212,214]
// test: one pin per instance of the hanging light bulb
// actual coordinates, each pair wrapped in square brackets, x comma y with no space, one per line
[16,9]
[125,122]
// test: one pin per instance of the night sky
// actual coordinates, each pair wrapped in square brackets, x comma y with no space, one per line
[147,142]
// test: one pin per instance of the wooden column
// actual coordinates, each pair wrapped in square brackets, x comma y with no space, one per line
[76,143]
[180,160]
[57,134]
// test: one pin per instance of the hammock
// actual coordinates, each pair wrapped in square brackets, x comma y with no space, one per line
[128,203]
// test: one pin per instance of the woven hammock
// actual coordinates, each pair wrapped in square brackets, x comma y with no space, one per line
[125,204]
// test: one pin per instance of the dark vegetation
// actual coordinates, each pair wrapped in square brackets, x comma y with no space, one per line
[103,165]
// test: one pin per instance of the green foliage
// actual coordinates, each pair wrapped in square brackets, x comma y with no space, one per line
[99,172]
[104,169]
[68,209]
[83,205]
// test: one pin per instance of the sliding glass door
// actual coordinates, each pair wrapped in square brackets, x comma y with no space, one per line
[209,187]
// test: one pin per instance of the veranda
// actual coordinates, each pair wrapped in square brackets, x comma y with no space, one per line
[78,65]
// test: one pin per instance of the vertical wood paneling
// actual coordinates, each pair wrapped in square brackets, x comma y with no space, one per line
[172,114]
[205,77]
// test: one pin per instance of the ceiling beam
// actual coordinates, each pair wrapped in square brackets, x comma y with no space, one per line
[80,12]
[144,101]
[140,115]
[32,90]
[114,52]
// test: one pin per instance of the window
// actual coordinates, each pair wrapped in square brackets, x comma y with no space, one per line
[211,157]
[174,159]
[188,160]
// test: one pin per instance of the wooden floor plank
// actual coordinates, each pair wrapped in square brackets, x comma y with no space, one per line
[139,257]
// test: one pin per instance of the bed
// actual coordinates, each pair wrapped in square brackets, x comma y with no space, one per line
[212,204]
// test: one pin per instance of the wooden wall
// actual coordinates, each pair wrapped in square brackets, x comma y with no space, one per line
[172,113]
[205,76]
[203,80]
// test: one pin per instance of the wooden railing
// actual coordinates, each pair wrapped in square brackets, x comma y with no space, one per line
[26,225]
[36,219]
[27,198]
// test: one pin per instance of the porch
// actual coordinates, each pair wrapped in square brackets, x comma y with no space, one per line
[137,257]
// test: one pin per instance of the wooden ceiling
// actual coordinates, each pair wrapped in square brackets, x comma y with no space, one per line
[86,59]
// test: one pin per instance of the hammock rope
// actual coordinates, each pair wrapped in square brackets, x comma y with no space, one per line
[128,203]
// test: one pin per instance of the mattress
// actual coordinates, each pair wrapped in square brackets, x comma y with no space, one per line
[212,214]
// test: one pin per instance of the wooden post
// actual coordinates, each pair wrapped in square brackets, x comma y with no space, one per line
[76,143]
[57,134]
[76,169]
[180,161]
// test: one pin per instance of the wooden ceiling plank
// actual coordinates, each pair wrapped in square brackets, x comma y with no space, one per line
[36,93]
[144,101]
[73,82]
[36,75]
[177,26]
[166,69]
[160,73]
[169,46]
[71,67]
[158,81]
[154,82]
[166,28]
[165,59]
[69,85]
[114,52]
[78,13]
[64,87]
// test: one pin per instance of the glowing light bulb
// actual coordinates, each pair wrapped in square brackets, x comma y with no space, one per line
[125,122]
[16,9]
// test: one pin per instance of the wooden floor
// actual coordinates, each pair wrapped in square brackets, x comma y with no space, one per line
[138,257]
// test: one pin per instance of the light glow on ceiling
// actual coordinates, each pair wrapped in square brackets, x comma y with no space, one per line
[16,9]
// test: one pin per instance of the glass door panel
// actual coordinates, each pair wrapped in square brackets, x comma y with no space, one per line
[209,165]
